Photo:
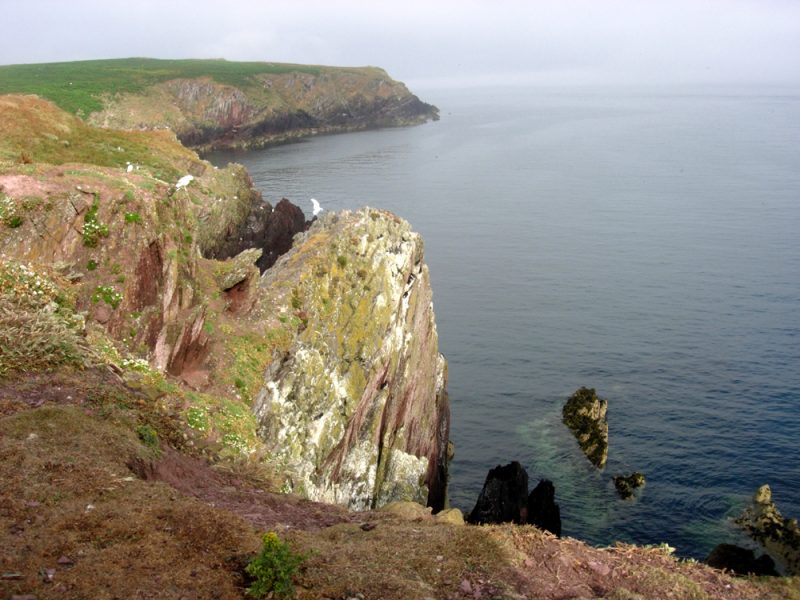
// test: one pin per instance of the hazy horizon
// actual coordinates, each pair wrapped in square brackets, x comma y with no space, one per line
[426,44]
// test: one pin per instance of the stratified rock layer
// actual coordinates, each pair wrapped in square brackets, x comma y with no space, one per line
[585,415]
[779,535]
[356,406]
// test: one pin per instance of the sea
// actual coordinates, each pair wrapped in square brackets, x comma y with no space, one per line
[644,242]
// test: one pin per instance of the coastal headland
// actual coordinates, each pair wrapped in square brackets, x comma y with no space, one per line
[166,395]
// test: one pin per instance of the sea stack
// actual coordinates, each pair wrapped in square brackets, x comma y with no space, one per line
[585,415]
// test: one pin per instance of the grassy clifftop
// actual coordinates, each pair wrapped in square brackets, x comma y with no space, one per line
[218,103]
[78,87]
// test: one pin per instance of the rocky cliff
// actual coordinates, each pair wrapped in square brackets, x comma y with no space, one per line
[219,103]
[334,349]
[356,405]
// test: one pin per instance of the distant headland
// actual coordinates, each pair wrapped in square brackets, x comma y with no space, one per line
[216,104]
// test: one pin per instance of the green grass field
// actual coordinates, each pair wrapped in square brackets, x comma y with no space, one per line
[77,86]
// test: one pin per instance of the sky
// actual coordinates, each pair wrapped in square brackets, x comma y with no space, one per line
[433,42]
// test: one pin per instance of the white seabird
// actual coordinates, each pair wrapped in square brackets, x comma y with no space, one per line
[183,181]
[317,208]
[130,168]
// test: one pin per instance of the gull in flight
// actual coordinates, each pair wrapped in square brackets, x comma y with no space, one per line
[317,208]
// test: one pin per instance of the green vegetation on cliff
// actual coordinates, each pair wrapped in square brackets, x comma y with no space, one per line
[78,87]
[217,103]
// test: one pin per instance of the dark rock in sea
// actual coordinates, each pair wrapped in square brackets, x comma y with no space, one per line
[741,561]
[627,484]
[504,497]
[778,534]
[542,508]
[585,415]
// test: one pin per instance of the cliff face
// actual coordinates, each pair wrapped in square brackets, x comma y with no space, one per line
[268,107]
[334,349]
[129,241]
[356,405]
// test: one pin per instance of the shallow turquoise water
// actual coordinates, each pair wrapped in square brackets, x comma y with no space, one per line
[646,244]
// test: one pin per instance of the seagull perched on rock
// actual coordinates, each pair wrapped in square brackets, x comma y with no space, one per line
[317,208]
[183,181]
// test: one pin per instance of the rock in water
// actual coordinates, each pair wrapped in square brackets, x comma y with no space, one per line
[585,415]
[627,484]
[356,406]
[542,508]
[779,535]
[740,560]
[504,497]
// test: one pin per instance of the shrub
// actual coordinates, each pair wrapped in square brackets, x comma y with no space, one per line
[33,340]
[8,211]
[93,229]
[149,438]
[272,570]
[107,294]
[133,217]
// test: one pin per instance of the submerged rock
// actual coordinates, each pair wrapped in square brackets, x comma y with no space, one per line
[585,415]
[356,406]
[627,484]
[740,560]
[504,497]
[779,535]
[543,512]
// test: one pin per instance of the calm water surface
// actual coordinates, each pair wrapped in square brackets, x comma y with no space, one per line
[645,244]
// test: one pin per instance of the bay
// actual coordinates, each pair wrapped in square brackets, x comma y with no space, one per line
[642,242]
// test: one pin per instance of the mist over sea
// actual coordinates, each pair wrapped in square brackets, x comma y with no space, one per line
[642,242]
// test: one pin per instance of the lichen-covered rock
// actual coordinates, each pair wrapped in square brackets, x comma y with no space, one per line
[627,484]
[585,415]
[778,534]
[451,516]
[235,270]
[408,511]
[356,406]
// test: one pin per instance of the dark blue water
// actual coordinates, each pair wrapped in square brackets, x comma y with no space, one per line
[645,244]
